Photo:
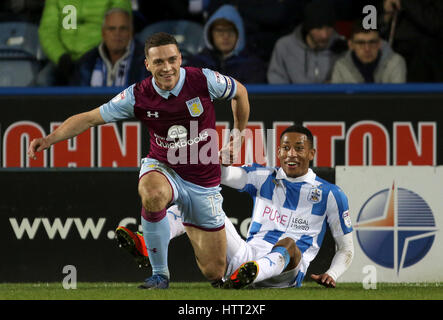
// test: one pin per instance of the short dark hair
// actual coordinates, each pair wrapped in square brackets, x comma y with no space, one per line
[299,129]
[159,39]
[357,27]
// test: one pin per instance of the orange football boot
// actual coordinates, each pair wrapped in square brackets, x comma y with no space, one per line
[134,243]
[243,276]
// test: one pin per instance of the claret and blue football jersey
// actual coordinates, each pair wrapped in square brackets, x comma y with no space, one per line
[180,121]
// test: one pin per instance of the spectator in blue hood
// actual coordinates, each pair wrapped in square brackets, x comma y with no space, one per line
[225,48]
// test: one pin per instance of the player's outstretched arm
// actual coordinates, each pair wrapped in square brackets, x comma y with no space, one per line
[233,177]
[71,127]
[240,107]
[340,262]
[240,111]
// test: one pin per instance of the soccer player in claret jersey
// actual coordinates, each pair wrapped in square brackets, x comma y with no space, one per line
[182,167]
[292,208]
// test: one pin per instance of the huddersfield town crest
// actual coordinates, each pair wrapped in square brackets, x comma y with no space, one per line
[315,195]
[195,107]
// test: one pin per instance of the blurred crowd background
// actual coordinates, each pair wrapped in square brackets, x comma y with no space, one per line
[100,43]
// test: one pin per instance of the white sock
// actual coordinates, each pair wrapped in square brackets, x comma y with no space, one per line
[272,264]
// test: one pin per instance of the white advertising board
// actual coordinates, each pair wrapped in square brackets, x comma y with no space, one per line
[397,216]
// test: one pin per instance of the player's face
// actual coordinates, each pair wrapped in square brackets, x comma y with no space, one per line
[295,153]
[164,63]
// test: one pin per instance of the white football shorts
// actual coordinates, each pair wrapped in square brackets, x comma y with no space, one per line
[239,251]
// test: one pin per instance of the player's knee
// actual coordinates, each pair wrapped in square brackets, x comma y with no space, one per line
[214,271]
[287,243]
[293,250]
[214,268]
[153,199]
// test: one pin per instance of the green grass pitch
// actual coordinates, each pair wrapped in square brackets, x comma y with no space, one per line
[203,291]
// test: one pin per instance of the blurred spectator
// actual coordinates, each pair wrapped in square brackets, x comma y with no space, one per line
[191,10]
[224,52]
[417,35]
[118,60]
[67,31]
[265,21]
[21,10]
[308,54]
[368,60]
[347,11]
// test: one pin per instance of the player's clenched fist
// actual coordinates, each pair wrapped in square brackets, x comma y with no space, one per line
[37,145]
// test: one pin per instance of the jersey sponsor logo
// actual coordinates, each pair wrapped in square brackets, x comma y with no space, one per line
[195,107]
[315,195]
[296,224]
[281,218]
[177,132]
[179,136]
[274,215]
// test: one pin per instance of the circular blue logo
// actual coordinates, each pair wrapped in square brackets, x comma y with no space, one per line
[395,228]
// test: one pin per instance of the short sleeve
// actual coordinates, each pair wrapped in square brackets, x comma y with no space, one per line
[220,86]
[120,107]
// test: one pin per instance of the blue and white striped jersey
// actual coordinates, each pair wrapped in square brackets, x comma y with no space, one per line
[300,208]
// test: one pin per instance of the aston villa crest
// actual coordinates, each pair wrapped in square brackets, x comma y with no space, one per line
[195,107]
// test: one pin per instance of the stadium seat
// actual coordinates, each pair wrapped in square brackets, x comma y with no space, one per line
[20,53]
[17,73]
[189,35]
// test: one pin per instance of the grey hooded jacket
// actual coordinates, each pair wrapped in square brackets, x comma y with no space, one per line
[293,61]
[390,69]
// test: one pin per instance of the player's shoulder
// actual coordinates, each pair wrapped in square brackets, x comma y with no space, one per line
[213,75]
[143,85]
[193,69]
[124,97]
[194,72]
[329,186]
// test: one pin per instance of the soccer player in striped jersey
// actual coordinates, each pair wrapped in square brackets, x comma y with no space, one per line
[292,209]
